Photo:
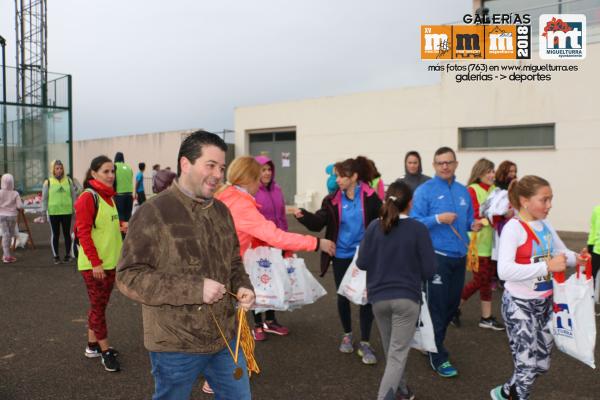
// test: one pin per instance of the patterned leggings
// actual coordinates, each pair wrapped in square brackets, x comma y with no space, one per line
[530,341]
[99,293]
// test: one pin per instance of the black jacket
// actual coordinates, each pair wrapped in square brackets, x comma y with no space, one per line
[329,216]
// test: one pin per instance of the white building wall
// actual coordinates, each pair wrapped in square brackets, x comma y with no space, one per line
[152,148]
[384,125]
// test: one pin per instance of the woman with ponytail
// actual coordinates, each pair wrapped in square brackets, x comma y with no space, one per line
[398,256]
[345,214]
[99,235]
[530,250]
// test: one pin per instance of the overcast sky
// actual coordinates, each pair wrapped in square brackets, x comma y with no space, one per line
[148,66]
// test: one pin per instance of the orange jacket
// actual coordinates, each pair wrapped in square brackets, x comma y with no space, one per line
[254,230]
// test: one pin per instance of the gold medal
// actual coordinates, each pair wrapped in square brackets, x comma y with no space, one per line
[238,373]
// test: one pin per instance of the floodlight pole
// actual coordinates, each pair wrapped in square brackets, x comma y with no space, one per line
[4,127]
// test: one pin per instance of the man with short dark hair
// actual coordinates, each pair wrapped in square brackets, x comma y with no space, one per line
[444,206]
[123,186]
[139,184]
[180,259]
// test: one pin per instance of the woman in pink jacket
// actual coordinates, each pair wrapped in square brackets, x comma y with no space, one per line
[271,204]
[253,229]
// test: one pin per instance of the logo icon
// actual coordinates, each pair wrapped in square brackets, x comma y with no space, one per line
[436,42]
[562,315]
[562,36]
[468,41]
[501,42]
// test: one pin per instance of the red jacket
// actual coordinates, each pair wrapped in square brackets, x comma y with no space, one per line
[85,209]
[254,230]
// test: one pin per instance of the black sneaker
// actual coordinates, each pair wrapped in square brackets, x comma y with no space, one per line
[456,319]
[56,260]
[109,360]
[96,351]
[67,259]
[491,323]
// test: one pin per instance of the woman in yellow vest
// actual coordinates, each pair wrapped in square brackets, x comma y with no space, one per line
[99,235]
[58,197]
[123,185]
[481,184]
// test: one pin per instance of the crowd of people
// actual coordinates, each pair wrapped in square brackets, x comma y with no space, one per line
[181,256]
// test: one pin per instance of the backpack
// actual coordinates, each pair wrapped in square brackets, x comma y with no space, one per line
[96,196]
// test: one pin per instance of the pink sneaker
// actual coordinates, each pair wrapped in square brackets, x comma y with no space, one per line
[259,334]
[8,260]
[275,328]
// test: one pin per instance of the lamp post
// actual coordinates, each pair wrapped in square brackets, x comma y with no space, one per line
[4,127]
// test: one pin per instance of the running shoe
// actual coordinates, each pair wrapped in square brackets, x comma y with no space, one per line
[366,352]
[490,323]
[8,259]
[346,345]
[446,370]
[67,259]
[109,360]
[95,351]
[274,328]
[259,334]
[496,393]
[456,319]
[56,260]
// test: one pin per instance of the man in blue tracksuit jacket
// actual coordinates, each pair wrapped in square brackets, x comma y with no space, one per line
[443,204]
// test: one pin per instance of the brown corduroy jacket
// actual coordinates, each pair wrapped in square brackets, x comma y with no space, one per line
[173,243]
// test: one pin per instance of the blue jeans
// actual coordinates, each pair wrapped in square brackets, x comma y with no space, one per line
[175,374]
[443,298]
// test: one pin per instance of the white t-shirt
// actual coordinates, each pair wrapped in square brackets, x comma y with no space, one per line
[521,278]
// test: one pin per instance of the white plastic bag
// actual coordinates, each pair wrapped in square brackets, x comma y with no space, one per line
[297,294]
[304,287]
[354,283]
[269,277]
[573,320]
[424,338]
[315,289]
[21,239]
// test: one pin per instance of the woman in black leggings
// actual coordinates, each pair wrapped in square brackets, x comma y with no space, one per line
[58,197]
[346,213]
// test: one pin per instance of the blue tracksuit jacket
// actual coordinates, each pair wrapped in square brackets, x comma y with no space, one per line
[436,196]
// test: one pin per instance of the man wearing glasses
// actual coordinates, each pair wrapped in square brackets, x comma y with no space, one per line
[444,206]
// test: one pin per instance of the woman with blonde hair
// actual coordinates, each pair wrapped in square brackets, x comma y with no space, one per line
[480,185]
[252,228]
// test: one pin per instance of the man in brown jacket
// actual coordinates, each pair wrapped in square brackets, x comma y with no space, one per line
[179,259]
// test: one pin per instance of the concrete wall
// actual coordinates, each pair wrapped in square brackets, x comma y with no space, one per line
[153,148]
[384,125]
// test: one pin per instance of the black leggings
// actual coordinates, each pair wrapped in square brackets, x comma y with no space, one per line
[595,263]
[340,266]
[269,316]
[56,222]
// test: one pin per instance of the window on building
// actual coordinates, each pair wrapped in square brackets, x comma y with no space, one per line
[507,137]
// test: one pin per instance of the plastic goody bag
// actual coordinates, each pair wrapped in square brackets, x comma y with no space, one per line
[354,283]
[573,320]
[304,288]
[268,274]
[424,338]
